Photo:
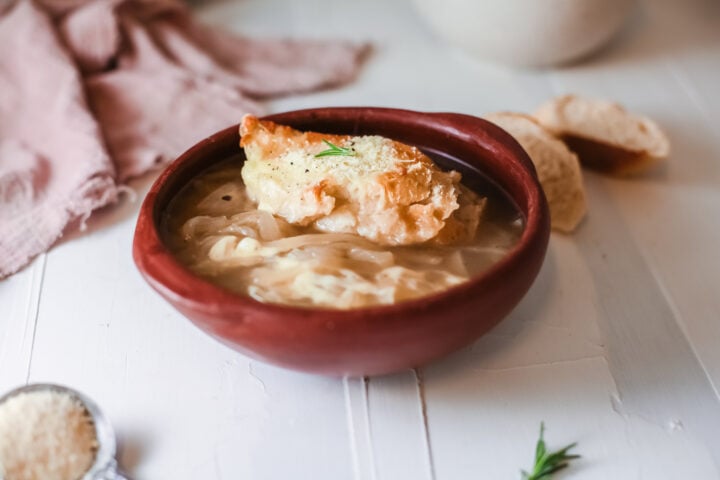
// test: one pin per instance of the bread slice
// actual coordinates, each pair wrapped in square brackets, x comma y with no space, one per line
[371,186]
[557,167]
[604,135]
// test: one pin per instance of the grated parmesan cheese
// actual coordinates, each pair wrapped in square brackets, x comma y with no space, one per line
[45,435]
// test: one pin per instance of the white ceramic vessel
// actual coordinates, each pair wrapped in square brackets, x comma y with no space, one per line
[526,32]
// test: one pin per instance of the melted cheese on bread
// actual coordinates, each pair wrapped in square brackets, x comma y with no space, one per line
[382,190]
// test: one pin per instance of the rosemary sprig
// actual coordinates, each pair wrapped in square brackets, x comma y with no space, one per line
[335,151]
[547,463]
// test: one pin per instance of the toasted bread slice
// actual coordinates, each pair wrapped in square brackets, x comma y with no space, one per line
[374,187]
[557,167]
[604,135]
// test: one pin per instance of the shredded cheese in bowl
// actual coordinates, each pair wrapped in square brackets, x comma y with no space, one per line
[46,435]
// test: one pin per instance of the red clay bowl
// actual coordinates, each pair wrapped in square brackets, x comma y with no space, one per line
[362,341]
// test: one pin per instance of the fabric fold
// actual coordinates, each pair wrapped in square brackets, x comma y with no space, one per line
[46,120]
[95,92]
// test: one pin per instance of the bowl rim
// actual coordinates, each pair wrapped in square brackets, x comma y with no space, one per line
[191,292]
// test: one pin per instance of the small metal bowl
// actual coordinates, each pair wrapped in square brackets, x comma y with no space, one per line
[105,466]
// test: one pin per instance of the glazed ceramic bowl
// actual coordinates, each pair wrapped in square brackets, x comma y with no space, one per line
[526,32]
[363,341]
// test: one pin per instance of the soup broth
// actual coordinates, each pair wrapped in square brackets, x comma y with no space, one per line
[214,229]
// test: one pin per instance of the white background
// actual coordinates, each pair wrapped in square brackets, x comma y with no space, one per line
[617,345]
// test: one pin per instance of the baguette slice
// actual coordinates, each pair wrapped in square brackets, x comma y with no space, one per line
[557,167]
[383,190]
[605,136]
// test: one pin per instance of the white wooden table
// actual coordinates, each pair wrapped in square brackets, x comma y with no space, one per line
[617,345]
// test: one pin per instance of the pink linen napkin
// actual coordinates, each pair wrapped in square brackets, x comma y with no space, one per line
[94,92]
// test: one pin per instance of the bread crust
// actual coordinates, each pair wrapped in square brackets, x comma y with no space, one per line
[557,167]
[605,136]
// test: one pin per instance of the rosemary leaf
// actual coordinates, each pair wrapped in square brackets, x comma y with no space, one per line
[547,463]
[335,151]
